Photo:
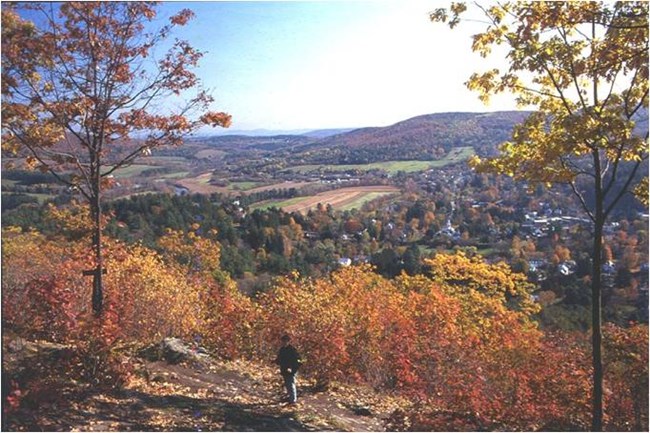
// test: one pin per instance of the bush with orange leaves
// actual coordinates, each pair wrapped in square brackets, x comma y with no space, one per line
[460,341]
[472,358]
[626,377]
[39,277]
[149,296]
[153,294]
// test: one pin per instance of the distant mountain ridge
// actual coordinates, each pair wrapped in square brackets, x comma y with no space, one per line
[316,133]
[426,137]
[322,133]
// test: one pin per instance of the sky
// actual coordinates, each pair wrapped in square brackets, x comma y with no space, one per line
[335,64]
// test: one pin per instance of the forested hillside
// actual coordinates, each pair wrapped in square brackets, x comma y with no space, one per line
[460,341]
[421,138]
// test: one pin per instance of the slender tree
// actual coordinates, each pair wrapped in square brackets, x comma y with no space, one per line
[85,92]
[584,67]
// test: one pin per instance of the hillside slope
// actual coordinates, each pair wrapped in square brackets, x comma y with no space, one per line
[426,137]
[211,396]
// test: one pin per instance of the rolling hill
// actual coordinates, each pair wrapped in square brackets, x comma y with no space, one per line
[424,137]
[427,137]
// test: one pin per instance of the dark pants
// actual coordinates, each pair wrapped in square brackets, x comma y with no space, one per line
[290,385]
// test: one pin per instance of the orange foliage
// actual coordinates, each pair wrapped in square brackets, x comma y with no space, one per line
[38,276]
[471,357]
[460,342]
[461,352]
[231,324]
[148,295]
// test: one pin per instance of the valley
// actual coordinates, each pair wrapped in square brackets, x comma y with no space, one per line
[307,203]
[180,251]
[304,164]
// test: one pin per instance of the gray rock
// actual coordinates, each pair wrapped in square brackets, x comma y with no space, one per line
[174,351]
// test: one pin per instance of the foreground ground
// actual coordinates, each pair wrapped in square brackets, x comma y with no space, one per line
[210,396]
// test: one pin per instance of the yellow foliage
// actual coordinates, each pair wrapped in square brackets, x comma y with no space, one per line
[201,255]
[588,89]
[154,297]
[641,191]
[150,297]
[470,275]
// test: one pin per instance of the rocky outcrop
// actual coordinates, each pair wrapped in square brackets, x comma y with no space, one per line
[174,351]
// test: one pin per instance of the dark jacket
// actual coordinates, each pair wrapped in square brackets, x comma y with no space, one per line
[288,358]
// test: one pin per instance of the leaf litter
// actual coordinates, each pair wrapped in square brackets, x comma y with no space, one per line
[226,396]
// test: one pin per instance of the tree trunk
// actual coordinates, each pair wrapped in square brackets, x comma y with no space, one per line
[97,276]
[596,326]
[95,205]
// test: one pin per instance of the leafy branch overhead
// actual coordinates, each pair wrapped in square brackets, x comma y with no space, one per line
[585,67]
[84,94]
[84,88]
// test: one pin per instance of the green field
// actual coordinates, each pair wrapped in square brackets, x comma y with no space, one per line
[358,199]
[166,160]
[42,198]
[9,183]
[177,166]
[209,154]
[174,175]
[132,170]
[263,205]
[243,186]
[456,155]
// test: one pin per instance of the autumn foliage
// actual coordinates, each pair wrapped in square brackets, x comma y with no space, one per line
[85,78]
[460,340]
[470,361]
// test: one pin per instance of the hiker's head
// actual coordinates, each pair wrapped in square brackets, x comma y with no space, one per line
[285,339]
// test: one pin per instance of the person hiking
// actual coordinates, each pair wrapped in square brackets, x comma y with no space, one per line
[289,361]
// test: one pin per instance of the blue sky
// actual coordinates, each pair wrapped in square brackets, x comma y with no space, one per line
[311,65]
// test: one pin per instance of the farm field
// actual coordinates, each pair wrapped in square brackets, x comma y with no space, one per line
[361,200]
[243,186]
[456,155]
[174,175]
[41,197]
[209,154]
[201,184]
[282,204]
[177,166]
[166,160]
[342,199]
[132,170]
[282,185]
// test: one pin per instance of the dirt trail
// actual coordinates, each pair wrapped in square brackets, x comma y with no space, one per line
[218,396]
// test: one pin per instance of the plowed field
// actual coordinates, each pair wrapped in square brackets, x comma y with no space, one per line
[339,198]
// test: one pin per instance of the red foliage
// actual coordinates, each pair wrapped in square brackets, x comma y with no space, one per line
[229,328]
[470,358]
[470,361]
[626,377]
[12,401]
[46,310]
